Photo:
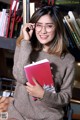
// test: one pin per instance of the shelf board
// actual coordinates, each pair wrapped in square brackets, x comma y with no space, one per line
[7,43]
[5,1]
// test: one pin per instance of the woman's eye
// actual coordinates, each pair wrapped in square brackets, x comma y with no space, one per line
[50,26]
[38,25]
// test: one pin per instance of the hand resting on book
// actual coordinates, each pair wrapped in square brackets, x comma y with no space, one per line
[35,90]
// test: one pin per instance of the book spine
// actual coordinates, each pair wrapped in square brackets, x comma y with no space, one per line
[70,38]
[9,19]
[3,15]
[78,22]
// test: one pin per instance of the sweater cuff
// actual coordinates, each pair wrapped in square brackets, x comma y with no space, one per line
[25,44]
[46,96]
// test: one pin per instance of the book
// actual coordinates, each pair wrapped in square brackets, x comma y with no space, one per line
[3,22]
[12,18]
[32,8]
[78,21]
[72,44]
[73,19]
[41,71]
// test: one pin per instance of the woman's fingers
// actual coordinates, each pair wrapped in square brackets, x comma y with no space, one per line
[35,82]
[2,99]
[4,103]
[27,30]
[4,109]
[29,84]
[28,27]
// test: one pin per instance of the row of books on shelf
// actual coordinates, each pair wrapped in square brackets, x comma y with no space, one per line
[62,2]
[12,19]
[72,26]
[67,2]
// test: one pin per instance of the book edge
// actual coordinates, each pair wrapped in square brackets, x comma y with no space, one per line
[37,63]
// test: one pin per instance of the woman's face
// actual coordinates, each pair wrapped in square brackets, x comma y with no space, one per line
[45,29]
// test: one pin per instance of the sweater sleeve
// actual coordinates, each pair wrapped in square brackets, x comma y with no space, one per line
[20,60]
[62,98]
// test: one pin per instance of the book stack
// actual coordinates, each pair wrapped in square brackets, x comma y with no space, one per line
[11,20]
[73,29]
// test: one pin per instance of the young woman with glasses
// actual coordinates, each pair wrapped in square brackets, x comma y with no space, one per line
[43,37]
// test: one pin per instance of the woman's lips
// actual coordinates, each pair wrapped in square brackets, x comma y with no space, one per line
[43,37]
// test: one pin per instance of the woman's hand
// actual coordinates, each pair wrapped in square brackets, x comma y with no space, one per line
[4,103]
[27,30]
[35,90]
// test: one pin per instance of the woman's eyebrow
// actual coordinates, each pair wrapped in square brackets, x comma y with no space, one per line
[39,23]
[43,23]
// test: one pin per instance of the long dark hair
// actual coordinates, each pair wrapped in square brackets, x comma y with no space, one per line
[57,45]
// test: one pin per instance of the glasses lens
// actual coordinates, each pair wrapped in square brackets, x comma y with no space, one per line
[38,27]
[48,27]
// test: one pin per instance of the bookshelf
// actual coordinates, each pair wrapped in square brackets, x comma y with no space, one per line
[10,43]
[7,47]
[7,43]
[5,1]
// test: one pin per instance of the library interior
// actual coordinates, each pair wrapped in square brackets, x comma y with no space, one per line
[15,13]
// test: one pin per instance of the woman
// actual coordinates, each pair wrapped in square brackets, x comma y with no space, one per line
[43,37]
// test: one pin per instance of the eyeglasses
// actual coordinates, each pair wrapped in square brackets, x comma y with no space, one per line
[48,27]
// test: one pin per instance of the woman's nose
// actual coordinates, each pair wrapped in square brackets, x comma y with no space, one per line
[43,30]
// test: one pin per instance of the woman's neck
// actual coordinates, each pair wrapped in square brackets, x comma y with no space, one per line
[45,48]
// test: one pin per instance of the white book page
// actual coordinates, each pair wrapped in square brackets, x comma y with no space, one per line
[36,63]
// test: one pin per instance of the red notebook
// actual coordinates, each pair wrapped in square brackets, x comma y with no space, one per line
[41,71]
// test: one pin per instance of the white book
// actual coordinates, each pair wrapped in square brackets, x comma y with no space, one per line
[32,8]
[2,21]
[4,25]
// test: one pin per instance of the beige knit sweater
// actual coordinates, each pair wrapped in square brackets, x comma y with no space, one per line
[51,106]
